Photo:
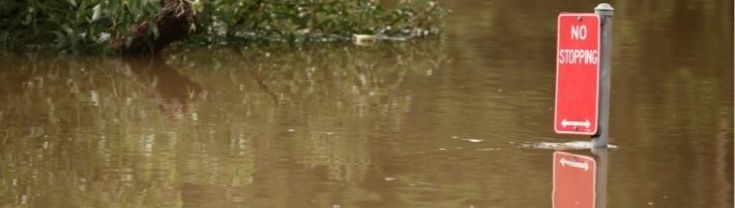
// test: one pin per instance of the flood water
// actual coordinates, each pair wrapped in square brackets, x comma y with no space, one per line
[458,121]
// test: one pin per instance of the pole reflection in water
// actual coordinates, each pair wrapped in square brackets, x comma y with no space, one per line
[601,155]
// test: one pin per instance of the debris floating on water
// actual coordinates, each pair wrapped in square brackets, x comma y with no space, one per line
[488,149]
[474,140]
[363,40]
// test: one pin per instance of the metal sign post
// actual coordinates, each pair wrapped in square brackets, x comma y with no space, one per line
[582,100]
[605,11]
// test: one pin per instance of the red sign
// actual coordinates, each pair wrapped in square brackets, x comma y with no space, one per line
[574,181]
[577,71]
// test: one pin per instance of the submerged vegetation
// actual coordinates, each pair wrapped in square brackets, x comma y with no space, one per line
[93,25]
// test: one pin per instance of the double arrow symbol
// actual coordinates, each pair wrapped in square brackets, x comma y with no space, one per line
[585,123]
[581,165]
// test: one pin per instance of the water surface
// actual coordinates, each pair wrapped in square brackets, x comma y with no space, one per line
[448,122]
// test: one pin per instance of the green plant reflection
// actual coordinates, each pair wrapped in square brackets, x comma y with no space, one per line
[200,129]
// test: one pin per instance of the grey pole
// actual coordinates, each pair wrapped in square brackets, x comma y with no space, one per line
[605,11]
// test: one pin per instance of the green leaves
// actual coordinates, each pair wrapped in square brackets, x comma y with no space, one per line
[319,20]
[97,12]
[78,25]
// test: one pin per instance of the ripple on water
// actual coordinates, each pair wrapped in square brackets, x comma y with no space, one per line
[573,145]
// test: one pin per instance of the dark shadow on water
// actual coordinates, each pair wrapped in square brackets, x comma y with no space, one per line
[172,89]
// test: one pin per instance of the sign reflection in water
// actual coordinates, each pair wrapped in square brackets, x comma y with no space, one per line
[580,180]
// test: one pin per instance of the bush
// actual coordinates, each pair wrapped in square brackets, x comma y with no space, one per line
[89,25]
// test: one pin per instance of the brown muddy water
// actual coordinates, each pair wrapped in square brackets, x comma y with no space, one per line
[456,122]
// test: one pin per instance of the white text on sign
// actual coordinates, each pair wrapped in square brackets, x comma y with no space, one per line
[578,56]
[579,32]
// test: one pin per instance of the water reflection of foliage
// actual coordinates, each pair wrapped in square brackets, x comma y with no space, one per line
[85,132]
[81,129]
[318,70]
[332,97]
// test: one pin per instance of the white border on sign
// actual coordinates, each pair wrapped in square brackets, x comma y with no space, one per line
[597,82]
[594,175]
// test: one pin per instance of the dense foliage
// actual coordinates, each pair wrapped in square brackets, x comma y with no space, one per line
[89,25]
